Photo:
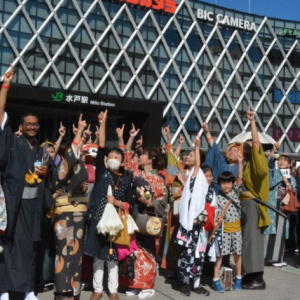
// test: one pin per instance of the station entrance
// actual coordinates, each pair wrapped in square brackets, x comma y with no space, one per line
[146,116]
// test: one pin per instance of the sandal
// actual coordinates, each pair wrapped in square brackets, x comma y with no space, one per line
[146,294]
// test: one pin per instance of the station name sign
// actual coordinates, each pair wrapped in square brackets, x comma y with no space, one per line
[168,6]
[61,97]
[225,20]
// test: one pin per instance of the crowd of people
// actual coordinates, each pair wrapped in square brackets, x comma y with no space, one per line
[181,211]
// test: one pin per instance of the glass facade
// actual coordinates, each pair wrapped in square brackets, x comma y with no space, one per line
[201,69]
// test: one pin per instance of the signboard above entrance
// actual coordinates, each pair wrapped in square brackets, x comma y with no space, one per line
[225,20]
[168,6]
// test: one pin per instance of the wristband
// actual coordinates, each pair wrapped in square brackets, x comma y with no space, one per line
[121,146]
[82,140]
[75,143]
[5,86]
[210,138]
[55,144]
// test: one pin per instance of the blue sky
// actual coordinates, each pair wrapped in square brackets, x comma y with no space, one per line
[288,9]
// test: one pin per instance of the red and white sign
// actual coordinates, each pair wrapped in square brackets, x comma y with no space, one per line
[168,6]
[293,134]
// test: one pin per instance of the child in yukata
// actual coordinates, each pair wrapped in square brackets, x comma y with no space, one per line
[191,234]
[229,240]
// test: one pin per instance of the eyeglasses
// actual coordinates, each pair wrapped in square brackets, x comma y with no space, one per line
[35,125]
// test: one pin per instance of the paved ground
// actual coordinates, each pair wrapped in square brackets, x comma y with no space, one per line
[282,284]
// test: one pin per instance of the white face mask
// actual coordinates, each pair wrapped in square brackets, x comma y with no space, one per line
[113,164]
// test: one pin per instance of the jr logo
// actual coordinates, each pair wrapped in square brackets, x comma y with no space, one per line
[58,97]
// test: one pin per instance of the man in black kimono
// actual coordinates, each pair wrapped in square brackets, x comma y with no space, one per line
[24,200]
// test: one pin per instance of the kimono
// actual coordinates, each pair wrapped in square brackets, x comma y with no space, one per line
[153,183]
[25,205]
[171,253]
[96,245]
[255,217]
[278,230]
[69,221]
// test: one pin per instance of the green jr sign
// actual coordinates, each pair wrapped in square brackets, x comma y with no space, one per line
[58,97]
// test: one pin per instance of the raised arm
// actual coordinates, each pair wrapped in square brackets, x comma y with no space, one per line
[81,126]
[62,133]
[102,120]
[133,133]
[208,135]
[197,155]
[120,132]
[7,79]
[179,147]
[254,133]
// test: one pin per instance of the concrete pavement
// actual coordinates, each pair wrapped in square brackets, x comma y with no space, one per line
[282,284]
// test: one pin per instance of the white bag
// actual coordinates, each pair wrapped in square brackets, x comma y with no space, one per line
[131,225]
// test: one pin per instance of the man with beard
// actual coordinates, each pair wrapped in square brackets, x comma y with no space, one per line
[23,181]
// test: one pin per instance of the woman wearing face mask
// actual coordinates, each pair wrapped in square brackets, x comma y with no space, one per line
[96,245]
[278,231]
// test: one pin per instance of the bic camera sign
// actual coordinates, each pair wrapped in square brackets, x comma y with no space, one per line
[225,20]
[61,97]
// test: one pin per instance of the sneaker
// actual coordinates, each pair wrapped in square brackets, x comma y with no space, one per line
[283,264]
[201,291]
[146,294]
[297,251]
[218,286]
[237,285]
[185,290]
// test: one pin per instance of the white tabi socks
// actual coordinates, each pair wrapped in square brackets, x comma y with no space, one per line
[30,296]
[4,296]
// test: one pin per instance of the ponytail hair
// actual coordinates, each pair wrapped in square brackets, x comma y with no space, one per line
[157,160]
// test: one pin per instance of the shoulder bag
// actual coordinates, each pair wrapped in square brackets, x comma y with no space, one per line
[150,223]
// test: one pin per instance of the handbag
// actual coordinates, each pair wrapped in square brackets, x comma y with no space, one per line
[145,271]
[122,238]
[150,223]
[290,203]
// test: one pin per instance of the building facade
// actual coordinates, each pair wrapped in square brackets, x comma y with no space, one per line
[194,60]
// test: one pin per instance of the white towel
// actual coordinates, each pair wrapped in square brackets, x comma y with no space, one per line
[187,214]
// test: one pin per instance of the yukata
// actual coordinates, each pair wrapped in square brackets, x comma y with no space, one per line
[255,216]
[191,234]
[25,205]
[152,182]
[174,186]
[191,259]
[232,230]
[278,230]
[69,215]
[97,245]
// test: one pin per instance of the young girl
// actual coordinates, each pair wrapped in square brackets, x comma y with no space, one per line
[232,231]
[96,245]
[190,236]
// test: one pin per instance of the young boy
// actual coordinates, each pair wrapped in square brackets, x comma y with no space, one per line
[232,233]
